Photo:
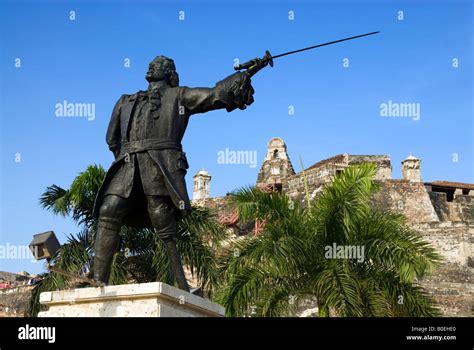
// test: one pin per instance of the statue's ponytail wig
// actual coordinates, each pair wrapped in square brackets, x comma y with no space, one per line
[173,77]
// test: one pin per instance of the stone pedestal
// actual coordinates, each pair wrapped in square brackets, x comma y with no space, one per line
[154,299]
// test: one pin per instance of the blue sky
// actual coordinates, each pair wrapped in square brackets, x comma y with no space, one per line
[337,109]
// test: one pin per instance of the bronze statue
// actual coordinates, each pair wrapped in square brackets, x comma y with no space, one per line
[145,185]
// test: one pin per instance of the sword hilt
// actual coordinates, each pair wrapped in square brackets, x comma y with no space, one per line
[253,66]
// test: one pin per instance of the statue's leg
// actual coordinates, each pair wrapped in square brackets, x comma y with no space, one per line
[162,215]
[112,211]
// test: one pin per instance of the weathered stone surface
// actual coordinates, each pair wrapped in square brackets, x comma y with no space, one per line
[154,299]
[465,203]
[460,208]
[324,171]
[453,240]
[452,286]
[276,166]
[382,162]
[408,198]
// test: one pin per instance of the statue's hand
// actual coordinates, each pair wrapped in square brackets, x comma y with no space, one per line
[260,62]
[235,91]
[242,91]
[248,94]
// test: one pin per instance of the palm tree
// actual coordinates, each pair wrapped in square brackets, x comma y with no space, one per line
[142,256]
[271,273]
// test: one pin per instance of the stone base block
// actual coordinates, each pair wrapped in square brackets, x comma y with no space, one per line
[154,299]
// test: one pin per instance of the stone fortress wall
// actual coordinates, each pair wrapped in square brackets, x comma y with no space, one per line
[442,211]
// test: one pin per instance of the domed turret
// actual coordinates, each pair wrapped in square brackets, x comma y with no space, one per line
[202,185]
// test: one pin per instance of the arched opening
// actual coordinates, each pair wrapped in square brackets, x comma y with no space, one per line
[276,154]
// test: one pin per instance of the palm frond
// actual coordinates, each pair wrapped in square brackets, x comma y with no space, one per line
[56,200]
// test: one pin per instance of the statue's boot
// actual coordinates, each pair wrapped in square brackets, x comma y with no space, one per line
[176,265]
[106,245]
[162,215]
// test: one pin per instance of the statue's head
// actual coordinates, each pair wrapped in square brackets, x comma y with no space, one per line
[162,68]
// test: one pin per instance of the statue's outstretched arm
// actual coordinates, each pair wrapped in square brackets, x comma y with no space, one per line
[233,92]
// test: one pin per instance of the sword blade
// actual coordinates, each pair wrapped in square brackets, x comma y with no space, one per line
[325,44]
